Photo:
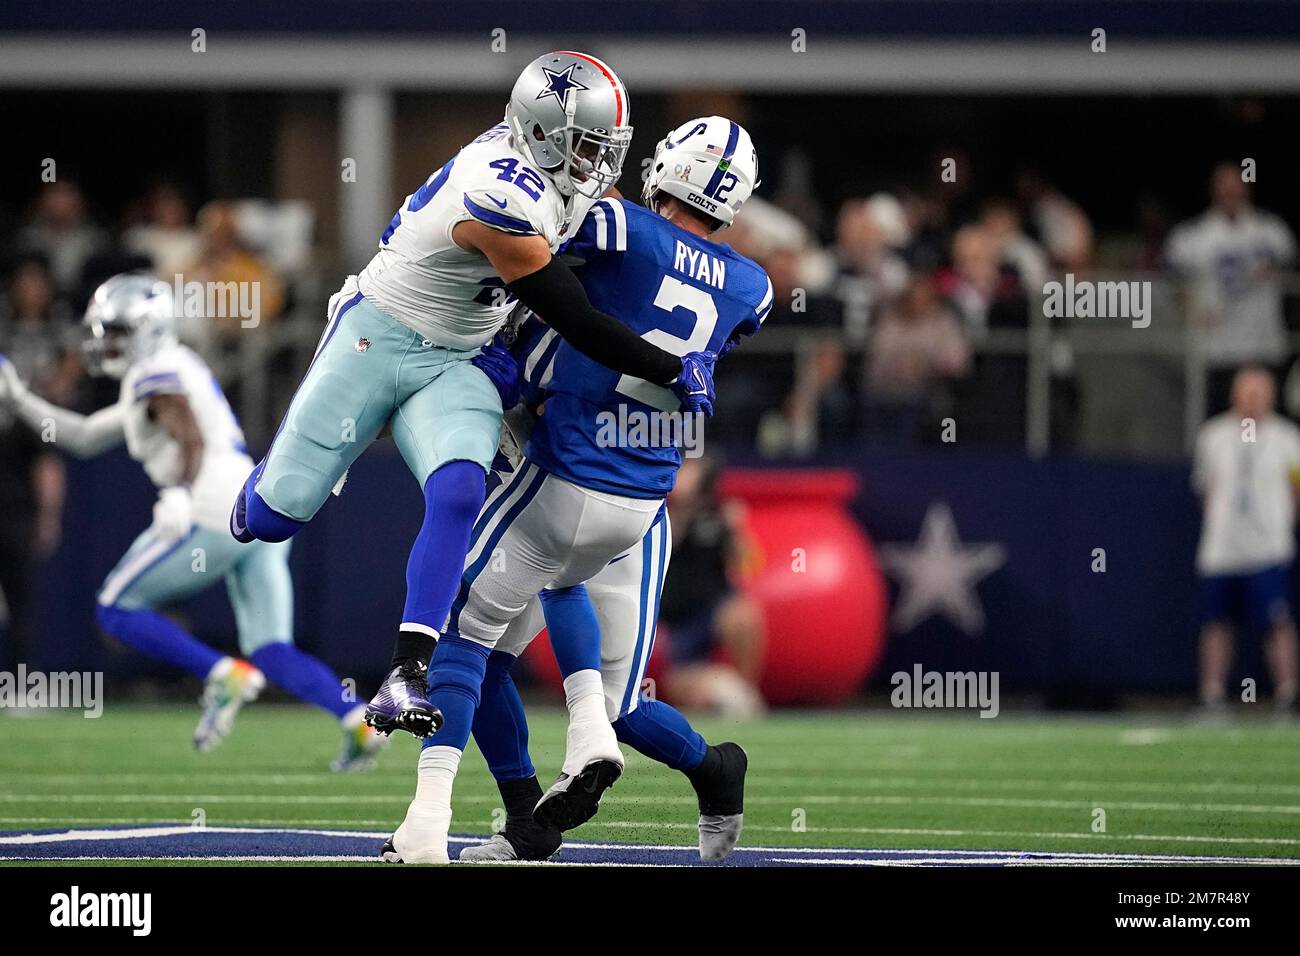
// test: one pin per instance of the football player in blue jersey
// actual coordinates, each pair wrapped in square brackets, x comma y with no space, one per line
[624,606]
[590,490]
[402,337]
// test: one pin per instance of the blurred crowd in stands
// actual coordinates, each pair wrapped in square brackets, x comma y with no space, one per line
[900,307]
[886,320]
[61,253]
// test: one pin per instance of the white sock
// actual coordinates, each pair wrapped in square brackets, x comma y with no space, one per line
[584,695]
[437,770]
[422,837]
[590,735]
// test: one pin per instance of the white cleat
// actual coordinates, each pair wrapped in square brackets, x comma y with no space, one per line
[231,684]
[422,837]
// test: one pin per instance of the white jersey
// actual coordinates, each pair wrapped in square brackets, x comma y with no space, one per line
[424,280]
[1247,486]
[1232,267]
[176,370]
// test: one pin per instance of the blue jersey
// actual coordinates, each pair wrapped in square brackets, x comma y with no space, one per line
[615,433]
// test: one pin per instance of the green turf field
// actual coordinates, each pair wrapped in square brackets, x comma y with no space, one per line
[852,779]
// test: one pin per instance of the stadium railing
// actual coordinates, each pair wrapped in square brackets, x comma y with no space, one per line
[1155,376]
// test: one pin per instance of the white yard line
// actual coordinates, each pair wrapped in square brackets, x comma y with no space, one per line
[1042,834]
[295,825]
[795,797]
[822,780]
[144,833]
[1005,861]
[145,821]
[195,859]
[310,859]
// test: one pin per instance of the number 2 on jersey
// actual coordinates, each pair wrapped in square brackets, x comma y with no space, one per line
[674,294]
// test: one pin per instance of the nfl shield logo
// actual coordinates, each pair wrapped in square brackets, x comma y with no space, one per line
[363,344]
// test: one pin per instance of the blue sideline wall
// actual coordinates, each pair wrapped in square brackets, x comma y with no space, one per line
[1051,621]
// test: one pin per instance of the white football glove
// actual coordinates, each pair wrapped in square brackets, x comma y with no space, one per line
[173,514]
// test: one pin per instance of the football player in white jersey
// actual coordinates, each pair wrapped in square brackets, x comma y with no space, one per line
[177,424]
[403,335]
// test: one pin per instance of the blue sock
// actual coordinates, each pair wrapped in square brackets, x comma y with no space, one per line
[573,627]
[455,680]
[306,677]
[662,733]
[453,496]
[500,727]
[151,633]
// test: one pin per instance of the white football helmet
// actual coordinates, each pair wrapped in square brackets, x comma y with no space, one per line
[708,163]
[569,112]
[129,317]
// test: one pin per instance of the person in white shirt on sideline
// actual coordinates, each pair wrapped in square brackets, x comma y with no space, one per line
[1231,257]
[1246,470]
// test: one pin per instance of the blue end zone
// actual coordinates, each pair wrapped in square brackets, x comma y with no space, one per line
[260,844]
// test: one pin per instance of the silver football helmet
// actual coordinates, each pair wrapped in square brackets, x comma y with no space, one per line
[709,163]
[129,317]
[569,112]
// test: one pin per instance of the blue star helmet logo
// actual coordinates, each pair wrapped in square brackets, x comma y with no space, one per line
[558,84]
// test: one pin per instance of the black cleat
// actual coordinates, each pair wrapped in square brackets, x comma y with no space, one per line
[402,702]
[389,852]
[573,800]
[721,793]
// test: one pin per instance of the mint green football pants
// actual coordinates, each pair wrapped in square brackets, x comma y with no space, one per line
[370,371]
[154,574]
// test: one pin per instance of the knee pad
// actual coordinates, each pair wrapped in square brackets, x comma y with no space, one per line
[458,666]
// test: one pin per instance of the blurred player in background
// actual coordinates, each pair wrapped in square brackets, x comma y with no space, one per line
[175,421]
[402,337]
[591,487]
[1231,257]
[1246,469]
